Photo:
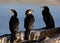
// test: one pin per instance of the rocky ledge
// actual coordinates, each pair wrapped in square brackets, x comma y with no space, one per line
[37,35]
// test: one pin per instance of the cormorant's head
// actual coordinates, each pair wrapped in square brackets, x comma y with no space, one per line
[45,8]
[29,12]
[13,12]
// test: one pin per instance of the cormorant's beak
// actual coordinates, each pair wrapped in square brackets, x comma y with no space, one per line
[32,10]
[10,11]
[42,7]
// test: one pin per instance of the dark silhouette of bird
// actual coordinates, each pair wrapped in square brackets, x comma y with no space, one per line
[47,18]
[28,23]
[13,24]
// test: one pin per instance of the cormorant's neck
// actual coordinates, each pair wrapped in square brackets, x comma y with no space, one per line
[15,14]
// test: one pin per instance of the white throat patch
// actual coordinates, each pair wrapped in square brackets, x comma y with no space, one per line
[30,12]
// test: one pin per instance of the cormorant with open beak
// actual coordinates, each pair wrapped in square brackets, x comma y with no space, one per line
[47,18]
[13,24]
[28,22]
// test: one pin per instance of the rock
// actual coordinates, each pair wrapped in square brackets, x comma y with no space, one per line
[35,35]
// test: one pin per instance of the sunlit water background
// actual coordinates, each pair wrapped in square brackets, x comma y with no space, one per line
[5,16]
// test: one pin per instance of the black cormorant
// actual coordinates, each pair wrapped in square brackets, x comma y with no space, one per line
[28,23]
[47,18]
[13,24]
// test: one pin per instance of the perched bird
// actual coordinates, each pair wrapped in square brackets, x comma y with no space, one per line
[13,24]
[28,22]
[47,18]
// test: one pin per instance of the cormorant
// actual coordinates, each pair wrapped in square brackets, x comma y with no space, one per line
[28,23]
[13,24]
[47,18]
